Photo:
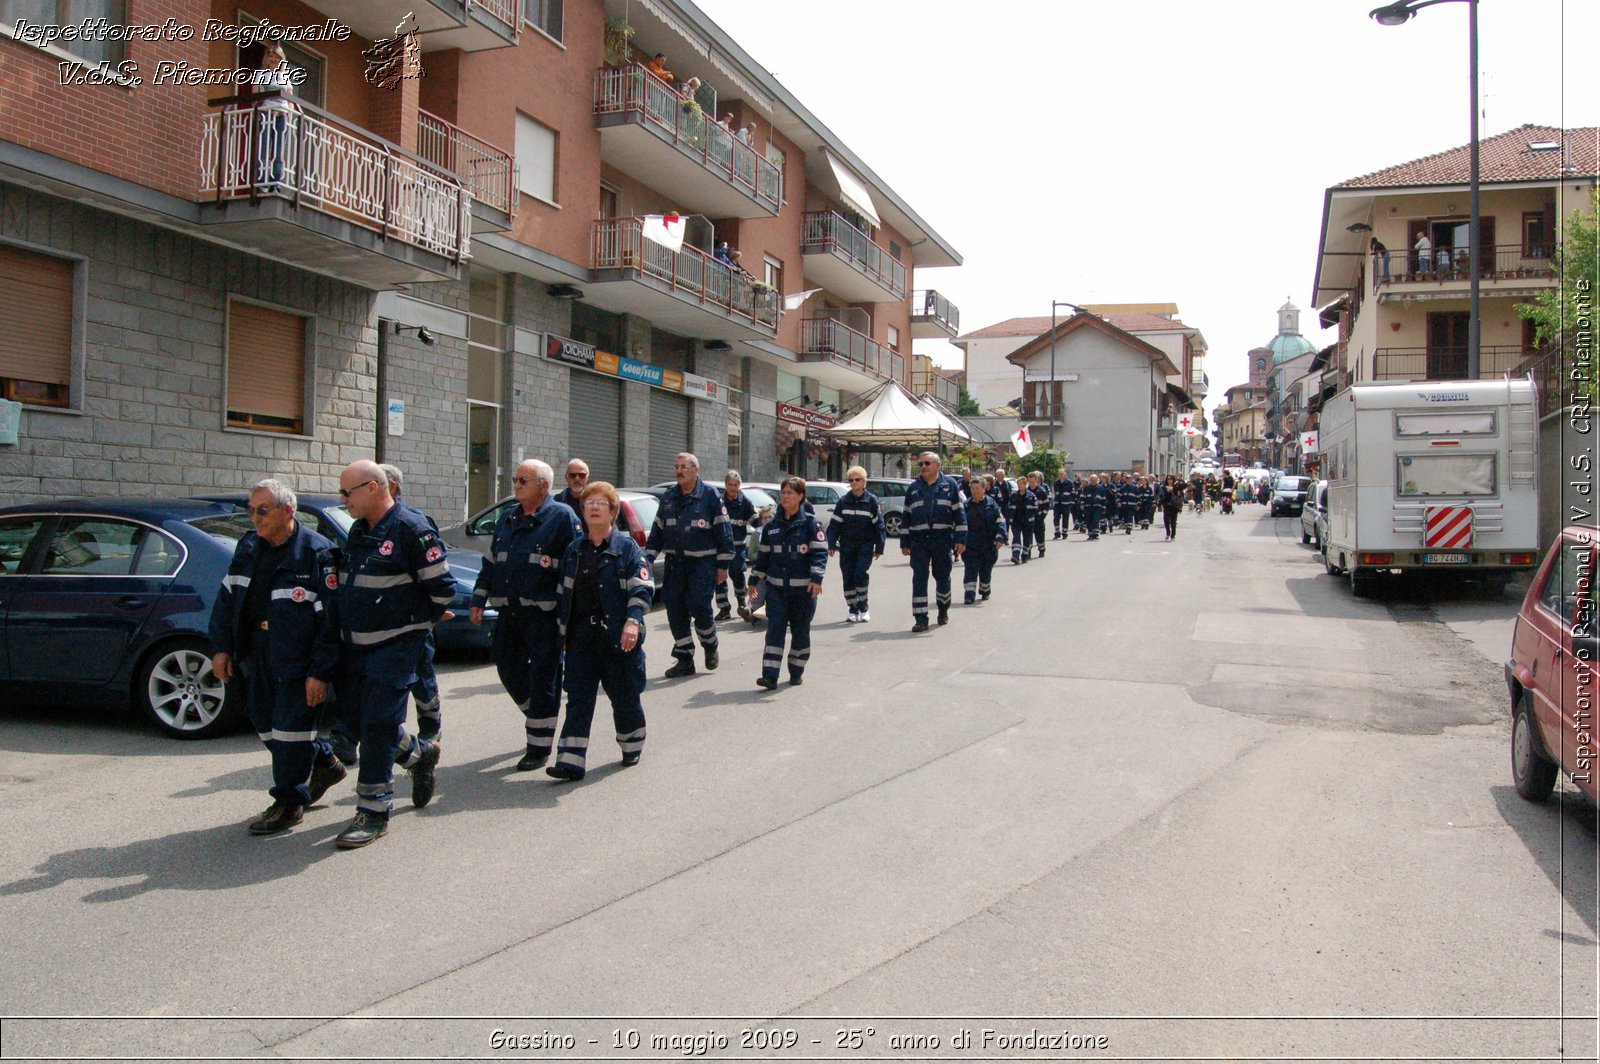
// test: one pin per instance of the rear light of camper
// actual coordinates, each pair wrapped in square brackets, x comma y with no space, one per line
[1376,559]
[1519,558]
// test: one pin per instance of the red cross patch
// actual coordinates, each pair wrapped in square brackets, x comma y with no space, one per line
[644,572]
[386,548]
[332,580]
[435,553]
[803,548]
[544,561]
[298,594]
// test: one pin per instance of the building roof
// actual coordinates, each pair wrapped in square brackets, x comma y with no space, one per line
[1077,322]
[1506,156]
[1030,327]
[1286,347]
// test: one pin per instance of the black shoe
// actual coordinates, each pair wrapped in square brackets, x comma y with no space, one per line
[767,682]
[630,759]
[795,679]
[324,776]
[564,772]
[684,667]
[532,758]
[944,614]
[422,777]
[343,749]
[712,660]
[984,596]
[969,600]
[921,625]
[364,829]
[281,816]
[724,613]
[744,613]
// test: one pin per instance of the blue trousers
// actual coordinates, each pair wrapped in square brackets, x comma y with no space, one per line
[288,727]
[1021,538]
[379,690]
[855,563]
[930,555]
[1092,515]
[425,692]
[1062,514]
[594,662]
[977,565]
[686,592]
[736,573]
[527,655]
[789,611]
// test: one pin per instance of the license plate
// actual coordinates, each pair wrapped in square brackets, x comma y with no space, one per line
[1446,559]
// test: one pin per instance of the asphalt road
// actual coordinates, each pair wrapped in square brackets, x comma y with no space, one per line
[1153,800]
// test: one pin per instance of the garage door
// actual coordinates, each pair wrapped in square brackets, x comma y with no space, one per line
[669,432]
[596,425]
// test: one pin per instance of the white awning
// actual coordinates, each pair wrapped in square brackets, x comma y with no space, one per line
[852,190]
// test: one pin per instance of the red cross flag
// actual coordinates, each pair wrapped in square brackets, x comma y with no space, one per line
[664,229]
[1022,441]
[1190,430]
[1308,442]
[1186,422]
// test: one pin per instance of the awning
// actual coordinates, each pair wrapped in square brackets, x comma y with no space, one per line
[852,190]
[893,421]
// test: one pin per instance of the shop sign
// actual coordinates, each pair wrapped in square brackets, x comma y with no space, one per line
[799,415]
[586,356]
[560,349]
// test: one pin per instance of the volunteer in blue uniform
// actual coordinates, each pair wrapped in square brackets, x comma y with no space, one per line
[691,531]
[1065,495]
[394,587]
[741,513]
[856,534]
[935,523]
[1041,507]
[1020,514]
[520,575]
[1147,501]
[577,480]
[790,562]
[1002,489]
[273,621]
[986,535]
[425,692]
[604,593]
[1093,498]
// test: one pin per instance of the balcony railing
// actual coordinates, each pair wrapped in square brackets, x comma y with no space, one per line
[504,10]
[942,388]
[1442,363]
[1554,386]
[634,90]
[1499,262]
[929,305]
[483,168]
[1042,411]
[827,232]
[321,161]
[619,244]
[837,342]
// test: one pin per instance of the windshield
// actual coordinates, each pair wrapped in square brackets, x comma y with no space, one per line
[1293,483]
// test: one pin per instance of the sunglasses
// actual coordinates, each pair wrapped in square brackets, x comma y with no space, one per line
[345,493]
[925,464]
[261,511]
[521,481]
[577,476]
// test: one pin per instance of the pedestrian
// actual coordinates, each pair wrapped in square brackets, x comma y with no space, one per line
[1127,503]
[856,533]
[1066,493]
[1147,501]
[520,577]
[577,480]
[741,511]
[1002,488]
[425,692]
[790,563]
[1171,500]
[272,624]
[604,592]
[1041,507]
[1019,515]
[935,523]
[394,587]
[986,535]
[691,530]
[1093,497]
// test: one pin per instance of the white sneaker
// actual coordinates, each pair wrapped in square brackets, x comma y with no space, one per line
[850,618]
[863,616]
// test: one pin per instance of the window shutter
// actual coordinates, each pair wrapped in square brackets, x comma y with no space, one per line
[36,305]
[266,367]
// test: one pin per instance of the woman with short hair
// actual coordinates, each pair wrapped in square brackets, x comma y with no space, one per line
[790,563]
[857,535]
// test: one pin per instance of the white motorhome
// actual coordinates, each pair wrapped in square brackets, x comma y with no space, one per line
[1430,475]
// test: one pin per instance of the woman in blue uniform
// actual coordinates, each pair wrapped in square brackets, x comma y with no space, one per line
[1020,513]
[986,535]
[856,533]
[790,561]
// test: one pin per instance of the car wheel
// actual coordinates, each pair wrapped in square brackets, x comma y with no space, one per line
[178,691]
[1327,562]
[1305,537]
[1360,583]
[1316,542]
[891,524]
[1533,773]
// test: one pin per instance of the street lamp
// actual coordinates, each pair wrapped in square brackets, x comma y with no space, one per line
[1398,14]
[1056,412]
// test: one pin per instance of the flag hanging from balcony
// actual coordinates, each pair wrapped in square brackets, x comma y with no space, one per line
[792,302]
[1191,430]
[1308,442]
[664,229]
[1022,441]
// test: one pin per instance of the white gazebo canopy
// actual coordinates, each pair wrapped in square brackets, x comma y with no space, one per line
[894,421]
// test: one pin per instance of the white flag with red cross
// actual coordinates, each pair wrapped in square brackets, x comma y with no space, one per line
[1308,442]
[664,229]
[1022,441]
[1186,422]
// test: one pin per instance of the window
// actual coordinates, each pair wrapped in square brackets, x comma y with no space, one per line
[266,371]
[1424,475]
[15,535]
[894,339]
[610,202]
[301,61]
[544,15]
[37,346]
[97,546]
[1445,423]
[1535,236]
[773,275]
[72,12]
[536,159]
[1568,590]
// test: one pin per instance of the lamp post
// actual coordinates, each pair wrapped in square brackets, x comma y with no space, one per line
[1055,407]
[1398,14]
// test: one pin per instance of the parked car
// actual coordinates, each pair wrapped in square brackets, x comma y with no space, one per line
[1551,674]
[1289,496]
[1314,515]
[764,497]
[891,493]
[112,597]
[326,514]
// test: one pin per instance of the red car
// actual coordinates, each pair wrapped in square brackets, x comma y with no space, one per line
[1552,672]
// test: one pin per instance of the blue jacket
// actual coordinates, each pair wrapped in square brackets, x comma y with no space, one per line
[523,567]
[1022,507]
[793,552]
[1041,496]
[986,525]
[857,521]
[1066,494]
[691,527]
[935,513]
[1001,492]
[394,587]
[302,634]
[741,512]
[625,585]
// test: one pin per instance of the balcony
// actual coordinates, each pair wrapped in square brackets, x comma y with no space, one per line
[1042,413]
[1443,363]
[1505,270]
[933,317]
[839,357]
[471,25]
[846,261]
[942,388]
[646,132]
[483,169]
[308,188]
[687,292]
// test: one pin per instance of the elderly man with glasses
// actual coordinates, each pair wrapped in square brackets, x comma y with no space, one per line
[520,577]
[691,529]
[272,624]
[856,534]
[935,523]
[577,480]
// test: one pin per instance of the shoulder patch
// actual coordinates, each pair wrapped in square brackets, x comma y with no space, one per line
[332,580]
[386,548]
[435,552]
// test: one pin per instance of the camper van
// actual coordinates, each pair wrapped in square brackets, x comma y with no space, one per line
[1430,476]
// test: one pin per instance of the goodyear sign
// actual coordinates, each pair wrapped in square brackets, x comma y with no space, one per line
[589,357]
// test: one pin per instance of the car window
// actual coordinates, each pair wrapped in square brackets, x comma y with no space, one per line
[161,555]
[483,524]
[227,529]
[644,508]
[15,535]
[821,496]
[93,546]
[1563,589]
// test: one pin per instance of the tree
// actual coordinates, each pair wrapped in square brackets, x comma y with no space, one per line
[1044,460]
[966,405]
[1561,314]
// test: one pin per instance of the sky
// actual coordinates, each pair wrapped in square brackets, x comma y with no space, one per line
[1154,151]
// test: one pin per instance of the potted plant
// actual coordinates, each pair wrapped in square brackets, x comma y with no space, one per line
[619,41]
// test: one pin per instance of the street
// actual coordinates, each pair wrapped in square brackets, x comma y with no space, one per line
[1152,800]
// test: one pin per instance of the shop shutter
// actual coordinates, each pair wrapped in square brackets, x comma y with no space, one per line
[669,433]
[595,412]
[36,305]
[266,368]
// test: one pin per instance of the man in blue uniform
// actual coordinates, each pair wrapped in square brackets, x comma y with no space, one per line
[394,587]
[577,480]
[1041,507]
[790,562]
[1093,500]
[741,511]
[1002,489]
[1019,514]
[1066,493]
[273,621]
[856,534]
[691,530]
[425,692]
[986,535]
[935,522]
[520,576]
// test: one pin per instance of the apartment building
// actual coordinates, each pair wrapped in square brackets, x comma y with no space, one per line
[1242,422]
[436,251]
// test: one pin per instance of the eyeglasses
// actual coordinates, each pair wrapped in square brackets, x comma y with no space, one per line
[577,476]
[520,481]
[858,480]
[261,511]
[925,463]
[345,493]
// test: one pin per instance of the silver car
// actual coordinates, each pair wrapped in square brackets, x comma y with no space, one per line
[1314,516]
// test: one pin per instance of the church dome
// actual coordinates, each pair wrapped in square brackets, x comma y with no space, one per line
[1289,344]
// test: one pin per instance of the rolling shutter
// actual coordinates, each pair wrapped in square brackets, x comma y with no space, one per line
[266,368]
[595,412]
[36,305]
[669,432]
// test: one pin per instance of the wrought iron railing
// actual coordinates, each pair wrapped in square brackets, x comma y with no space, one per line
[619,244]
[1497,262]
[485,169]
[504,10]
[1442,363]
[828,232]
[942,388]
[1042,411]
[302,153]
[633,90]
[929,305]
[826,338]
[1552,380]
